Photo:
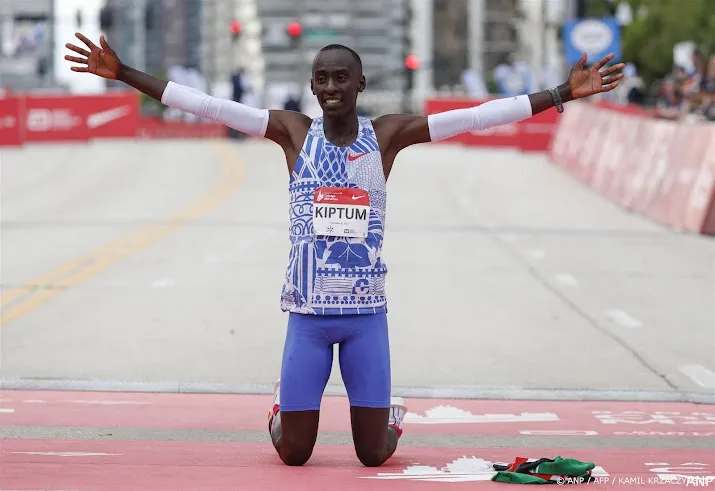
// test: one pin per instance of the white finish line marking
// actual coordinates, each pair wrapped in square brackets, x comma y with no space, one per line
[3,410]
[566,279]
[452,415]
[623,319]
[69,454]
[700,375]
[462,469]
[111,403]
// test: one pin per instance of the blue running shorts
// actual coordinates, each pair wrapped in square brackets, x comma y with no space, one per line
[364,355]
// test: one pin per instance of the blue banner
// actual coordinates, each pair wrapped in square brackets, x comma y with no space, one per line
[597,37]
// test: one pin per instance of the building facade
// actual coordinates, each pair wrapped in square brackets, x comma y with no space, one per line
[26,43]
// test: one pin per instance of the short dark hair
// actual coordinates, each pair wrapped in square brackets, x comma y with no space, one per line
[354,54]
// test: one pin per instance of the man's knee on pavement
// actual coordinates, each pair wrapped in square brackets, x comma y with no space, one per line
[371,457]
[296,455]
[294,436]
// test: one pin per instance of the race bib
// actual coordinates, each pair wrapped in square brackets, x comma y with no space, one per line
[341,212]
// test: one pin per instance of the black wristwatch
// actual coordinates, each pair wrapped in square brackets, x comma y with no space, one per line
[556,96]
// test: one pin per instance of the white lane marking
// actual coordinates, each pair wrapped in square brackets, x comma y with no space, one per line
[34,401]
[163,283]
[699,374]
[4,410]
[566,279]
[559,432]
[110,403]
[623,319]
[537,254]
[69,454]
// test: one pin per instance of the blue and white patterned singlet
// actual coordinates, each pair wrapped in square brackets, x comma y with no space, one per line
[336,275]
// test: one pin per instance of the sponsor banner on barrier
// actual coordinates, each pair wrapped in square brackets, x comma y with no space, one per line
[54,118]
[62,118]
[661,169]
[10,124]
[533,134]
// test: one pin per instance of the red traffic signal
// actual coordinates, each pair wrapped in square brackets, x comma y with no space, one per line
[412,62]
[295,29]
[235,27]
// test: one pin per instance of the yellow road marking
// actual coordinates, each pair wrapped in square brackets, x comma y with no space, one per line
[81,268]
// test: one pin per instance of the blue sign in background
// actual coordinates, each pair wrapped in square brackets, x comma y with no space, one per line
[596,36]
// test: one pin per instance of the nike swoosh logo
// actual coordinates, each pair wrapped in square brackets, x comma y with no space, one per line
[105,117]
[355,157]
[358,197]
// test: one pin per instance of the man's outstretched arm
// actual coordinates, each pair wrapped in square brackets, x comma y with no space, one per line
[241,117]
[104,62]
[404,130]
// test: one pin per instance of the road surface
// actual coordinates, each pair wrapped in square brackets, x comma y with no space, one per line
[157,266]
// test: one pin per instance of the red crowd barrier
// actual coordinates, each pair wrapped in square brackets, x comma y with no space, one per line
[10,123]
[534,134]
[51,118]
[61,118]
[664,170]
[158,128]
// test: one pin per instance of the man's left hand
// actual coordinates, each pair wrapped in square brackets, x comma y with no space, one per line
[585,82]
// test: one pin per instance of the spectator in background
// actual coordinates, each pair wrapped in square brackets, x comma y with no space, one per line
[689,93]
[237,82]
[292,103]
[237,94]
[697,89]
[670,103]
[699,64]
[707,91]
[474,84]
[632,90]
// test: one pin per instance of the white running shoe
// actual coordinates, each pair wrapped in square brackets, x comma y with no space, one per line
[276,403]
[398,409]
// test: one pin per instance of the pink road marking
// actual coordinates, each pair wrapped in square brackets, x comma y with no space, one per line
[251,466]
[426,416]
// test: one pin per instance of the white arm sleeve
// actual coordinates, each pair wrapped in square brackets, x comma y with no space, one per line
[488,115]
[235,115]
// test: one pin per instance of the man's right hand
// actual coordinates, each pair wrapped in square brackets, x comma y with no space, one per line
[103,61]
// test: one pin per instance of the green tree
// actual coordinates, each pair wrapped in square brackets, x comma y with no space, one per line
[658,25]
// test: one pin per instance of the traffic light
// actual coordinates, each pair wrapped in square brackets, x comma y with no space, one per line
[235,30]
[295,30]
[412,62]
